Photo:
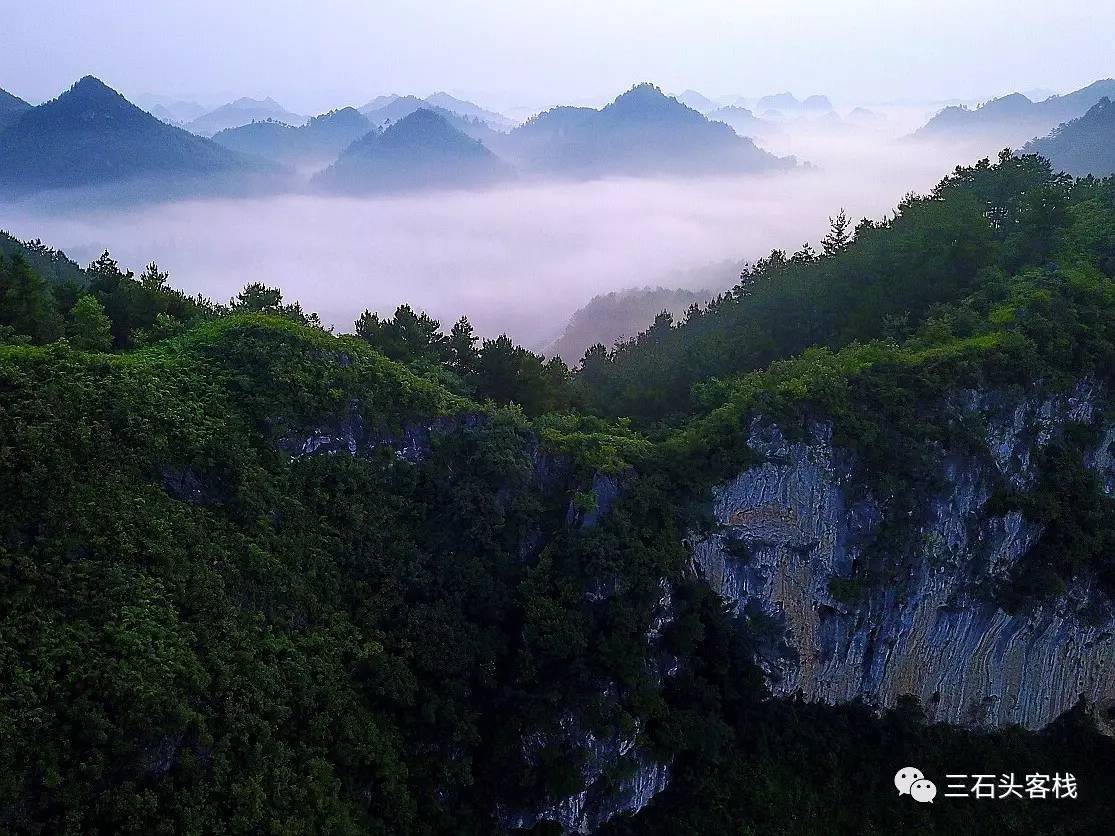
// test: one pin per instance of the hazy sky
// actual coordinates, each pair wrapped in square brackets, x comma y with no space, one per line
[314,54]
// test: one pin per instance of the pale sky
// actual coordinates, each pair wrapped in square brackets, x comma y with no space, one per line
[315,54]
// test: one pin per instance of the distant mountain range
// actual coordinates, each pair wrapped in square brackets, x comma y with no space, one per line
[496,121]
[243,112]
[1082,146]
[170,110]
[643,132]
[1012,120]
[399,107]
[91,135]
[696,101]
[420,151]
[746,123]
[317,143]
[383,109]
[11,108]
[786,105]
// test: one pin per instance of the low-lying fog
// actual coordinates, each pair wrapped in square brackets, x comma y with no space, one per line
[519,259]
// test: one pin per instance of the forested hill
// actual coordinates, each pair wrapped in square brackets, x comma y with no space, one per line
[318,142]
[49,263]
[1083,146]
[259,577]
[1014,119]
[642,132]
[93,136]
[420,151]
[883,280]
[11,108]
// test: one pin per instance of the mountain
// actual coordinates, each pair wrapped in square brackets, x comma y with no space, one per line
[170,110]
[696,101]
[420,151]
[384,109]
[399,107]
[392,108]
[164,114]
[788,106]
[11,108]
[316,143]
[1083,146]
[642,132]
[1011,120]
[865,117]
[745,123]
[91,135]
[782,102]
[469,110]
[379,102]
[243,112]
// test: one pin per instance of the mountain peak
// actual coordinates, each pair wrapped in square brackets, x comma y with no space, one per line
[423,122]
[642,93]
[91,95]
[92,86]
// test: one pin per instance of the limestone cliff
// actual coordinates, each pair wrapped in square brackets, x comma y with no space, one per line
[796,523]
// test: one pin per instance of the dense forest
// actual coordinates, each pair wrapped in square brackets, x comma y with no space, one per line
[260,577]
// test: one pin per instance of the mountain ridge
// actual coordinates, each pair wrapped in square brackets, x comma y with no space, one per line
[318,142]
[420,151]
[1082,146]
[91,135]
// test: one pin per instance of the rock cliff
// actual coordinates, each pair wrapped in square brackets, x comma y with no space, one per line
[793,526]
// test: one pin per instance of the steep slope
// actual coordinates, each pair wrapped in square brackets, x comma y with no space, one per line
[91,136]
[1011,120]
[1083,146]
[316,143]
[421,151]
[243,112]
[642,132]
[11,108]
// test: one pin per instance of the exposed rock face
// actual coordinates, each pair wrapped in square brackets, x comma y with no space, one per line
[350,435]
[619,777]
[800,519]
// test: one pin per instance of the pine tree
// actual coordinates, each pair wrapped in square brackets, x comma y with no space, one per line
[837,238]
[462,347]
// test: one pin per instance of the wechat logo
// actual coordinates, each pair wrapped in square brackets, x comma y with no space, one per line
[910,781]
